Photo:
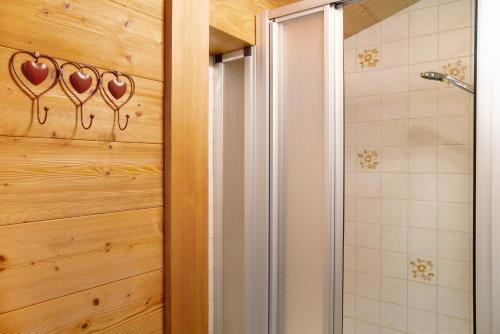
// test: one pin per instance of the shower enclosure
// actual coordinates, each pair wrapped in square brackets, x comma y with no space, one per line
[358,163]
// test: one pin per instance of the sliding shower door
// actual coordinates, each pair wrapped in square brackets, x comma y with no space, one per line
[305,127]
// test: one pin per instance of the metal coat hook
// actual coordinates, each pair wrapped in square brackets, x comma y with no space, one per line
[115,89]
[79,89]
[36,72]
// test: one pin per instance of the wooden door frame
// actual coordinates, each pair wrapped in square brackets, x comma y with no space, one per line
[186,166]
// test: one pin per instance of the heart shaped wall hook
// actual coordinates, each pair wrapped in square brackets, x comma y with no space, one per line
[115,90]
[79,84]
[35,71]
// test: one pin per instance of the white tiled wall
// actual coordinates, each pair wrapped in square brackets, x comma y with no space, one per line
[211,195]
[409,160]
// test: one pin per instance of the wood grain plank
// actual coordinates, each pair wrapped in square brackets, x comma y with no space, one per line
[356,18]
[142,323]
[221,43]
[45,260]
[145,110]
[99,33]
[186,186]
[154,8]
[43,179]
[97,310]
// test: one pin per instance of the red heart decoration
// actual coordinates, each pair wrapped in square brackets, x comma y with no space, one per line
[80,81]
[117,88]
[35,72]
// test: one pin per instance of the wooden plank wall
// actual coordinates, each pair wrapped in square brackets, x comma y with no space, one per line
[81,211]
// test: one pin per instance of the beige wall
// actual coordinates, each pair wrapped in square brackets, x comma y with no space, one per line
[409,162]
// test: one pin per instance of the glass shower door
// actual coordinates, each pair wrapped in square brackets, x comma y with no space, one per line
[303,166]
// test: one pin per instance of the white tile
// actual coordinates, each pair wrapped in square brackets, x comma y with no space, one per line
[368,285]
[454,101]
[394,316]
[450,325]
[394,290]
[369,108]
[395,132]
[395,54]
[395,28]
[453,302]
[369,36]
[429,276]
[368,235]
[350,184]
[422,241]
[368,210]
[455,15]
[454,274]
[455,188]
[394,238]
[395,106]
[351,134]
[349,281]
[350,85]
[453,245]
[350,208]
[395,80]
[416,82]
[350,109]
[422,296]
[366,328]
[394,212]
[350,59]
[349,326]
[395,185]
[421,322]
[394,159]
[369,134]
[423,49]
[455,159]
[349,233]
[368,260]
[350,43]
[349,257]
[394,264]
[349,305]
[455,130]
[424,21]
[385,330]
[351,159]
[368,58]
[369,83]
[422,214]
[423,131]
[368,185]
[455,216]
[368,310]
[423,159]
[423,103]
[461,67]
[423,187]
[454,43]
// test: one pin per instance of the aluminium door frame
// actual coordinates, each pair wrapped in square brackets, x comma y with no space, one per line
[250,196]
[268,62]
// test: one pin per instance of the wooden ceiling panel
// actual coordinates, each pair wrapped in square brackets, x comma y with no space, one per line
[232,22]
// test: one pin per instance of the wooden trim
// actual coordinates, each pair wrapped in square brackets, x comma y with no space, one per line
[186,174]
